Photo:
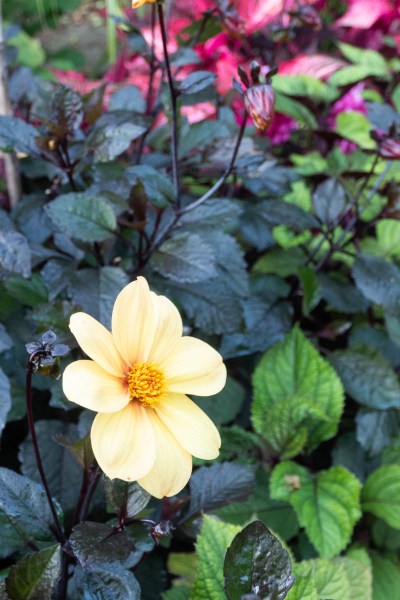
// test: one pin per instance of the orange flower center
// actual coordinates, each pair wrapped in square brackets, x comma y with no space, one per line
[146,383]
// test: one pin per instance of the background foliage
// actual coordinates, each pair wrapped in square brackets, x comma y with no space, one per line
[290,266]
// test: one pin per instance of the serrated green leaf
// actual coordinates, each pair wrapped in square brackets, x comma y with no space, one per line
[328,577]
[298,398]
[25,515]
[304,85]
[82,216]
[211,547]
[186,258]
[368,377]
[256,563]
[184,565]
[35,576]
[294,108]
[278,516]
[385,578]
[359,578]
[311,289]
[303,589]
[355,127]
[327,504]
[384,536]
[386,244]
[381,494]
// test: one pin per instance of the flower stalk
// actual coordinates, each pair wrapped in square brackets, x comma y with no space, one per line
[31,423]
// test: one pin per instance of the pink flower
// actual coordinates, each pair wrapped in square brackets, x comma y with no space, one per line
[281,129]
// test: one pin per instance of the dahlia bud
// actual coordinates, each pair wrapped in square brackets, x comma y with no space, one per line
[260,103]
[390,148]
[307,15]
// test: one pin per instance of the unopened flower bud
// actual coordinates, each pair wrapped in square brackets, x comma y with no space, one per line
[390,148]
[307,15]
[260,103]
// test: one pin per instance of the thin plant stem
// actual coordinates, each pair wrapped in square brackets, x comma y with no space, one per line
[223,177]
[174,112]
[158,239]
[31,423]
[112,8]
[94,478]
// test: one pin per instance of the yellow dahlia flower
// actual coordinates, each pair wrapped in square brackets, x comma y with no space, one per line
[146,429]
[138,3]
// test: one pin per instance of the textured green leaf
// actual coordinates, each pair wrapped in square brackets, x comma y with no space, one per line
[355,127]
[113,133]
[127,499]
[381,494]
[359,578]
[298,398]
[379,281]
[384,536]
[311,289]
[368,377]
[278,516]
[35,576]
[95,543]
[294,108]
[256,563]
[304,85]
[185,258]
[24,513]
[82,216]
[211,547]
[386,244]
[385,578]
[304,588]
[327,504]
[328,577]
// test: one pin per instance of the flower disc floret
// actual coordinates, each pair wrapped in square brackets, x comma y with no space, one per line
[146,383]
[146,428]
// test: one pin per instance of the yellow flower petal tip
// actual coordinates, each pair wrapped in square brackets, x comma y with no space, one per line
[146,429]
[138,3]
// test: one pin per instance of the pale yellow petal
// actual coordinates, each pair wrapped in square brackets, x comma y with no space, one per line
[98,343]
[172,467]
[191,427]
[169,328]
[194,367]
[87,384]
[124,443]
[134,321]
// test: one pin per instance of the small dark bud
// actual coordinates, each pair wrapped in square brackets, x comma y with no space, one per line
[307,15]
[390,148]
[255,72]
[161,530]
[243,76]
[44,356]
[260,103]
